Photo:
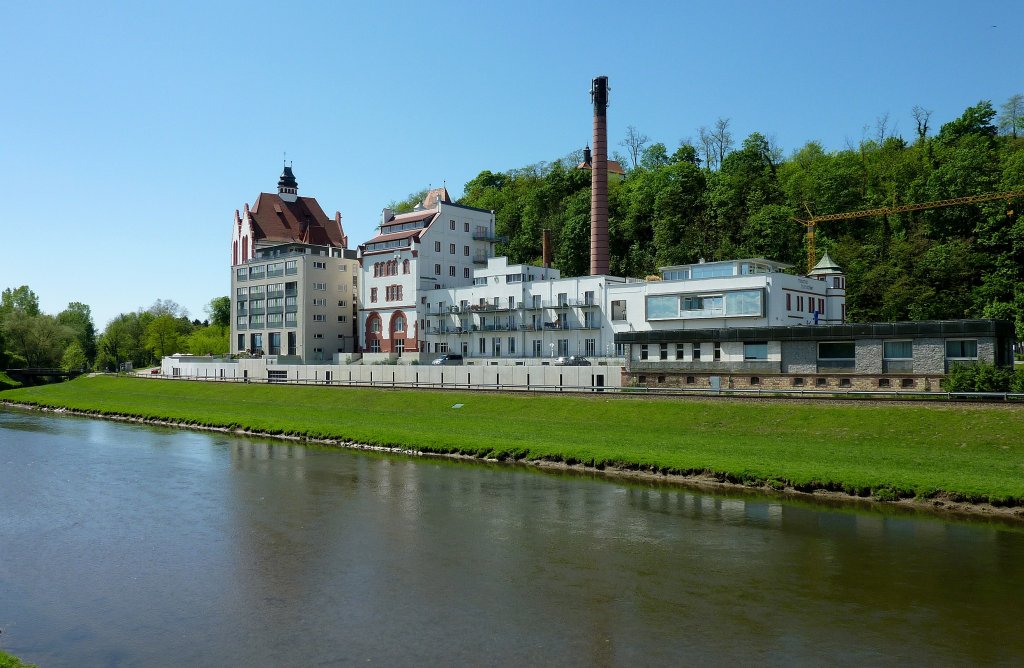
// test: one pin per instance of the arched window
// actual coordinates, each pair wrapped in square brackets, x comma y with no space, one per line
[400,324]
[405,266]
[374,323]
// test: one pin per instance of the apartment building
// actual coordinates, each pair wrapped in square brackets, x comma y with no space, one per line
[437,245]
[294,282]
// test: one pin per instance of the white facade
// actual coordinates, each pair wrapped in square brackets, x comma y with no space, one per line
[436,246]
[523,311]
[295,300]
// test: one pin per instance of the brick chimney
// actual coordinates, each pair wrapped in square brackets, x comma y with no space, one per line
[599,180]
[545,245]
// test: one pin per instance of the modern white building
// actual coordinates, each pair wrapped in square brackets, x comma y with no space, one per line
[437,245]
[293,279]
[520,311]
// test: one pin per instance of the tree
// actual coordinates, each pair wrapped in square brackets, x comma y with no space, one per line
[168,307]
[22,299]
[78,317]
[1011,116]
[634,144]
[219,310]
[212,340]
[654,156]
[921,117]
[74,358]
[721,139]
[39,340]
[162,335]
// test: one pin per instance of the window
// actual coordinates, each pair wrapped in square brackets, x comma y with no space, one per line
[563,298]
[342,303]
[319,286]
[437,269]
[619,309]
[588,298]
[755,350]
[590,347]
[465,251]
[318,336]
[837,351]
[789,302]
[754,380]
[291,267]
[241,274]
[257,272]
[319,317]
[375,346]
[696,352]
[883,382]
[452,224]
[537,351]
[465,226]
[241,342]
[563,346]
[373,294]
[399,324]
[319,302]
[342,318]
[465,272]
[405,266]
[451,249]
[274,319]
[342,267]
[663,351]
[375,324]
[318,265]
[643,351]
[821,382]
[482,345]
[897,350]
[845,382]
[799,303]
[798,382]
[241,292]
[718,351]
[437,246]
[907,383]
[451,271]
[962,349]
[690,380]
[680,351]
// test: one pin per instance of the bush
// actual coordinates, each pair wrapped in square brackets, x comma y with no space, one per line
[978,378]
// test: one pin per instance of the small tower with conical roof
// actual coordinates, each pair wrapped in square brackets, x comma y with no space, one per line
[835,291]
[287,186]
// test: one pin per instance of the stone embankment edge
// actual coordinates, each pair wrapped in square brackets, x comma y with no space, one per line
[939,505]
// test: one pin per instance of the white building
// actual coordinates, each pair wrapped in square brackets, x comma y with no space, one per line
[293,279]
[435,246]
[520,311]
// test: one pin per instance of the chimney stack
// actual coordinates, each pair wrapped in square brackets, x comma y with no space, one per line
[599,180]
[546,248]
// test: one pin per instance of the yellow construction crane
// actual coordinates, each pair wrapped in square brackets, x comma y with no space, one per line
[813,220]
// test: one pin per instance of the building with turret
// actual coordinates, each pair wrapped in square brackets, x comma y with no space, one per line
[293,278]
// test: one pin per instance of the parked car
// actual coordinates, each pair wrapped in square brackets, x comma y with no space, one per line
[448,359]
[572,360]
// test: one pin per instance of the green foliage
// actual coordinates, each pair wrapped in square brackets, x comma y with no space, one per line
[6,382]
[37,340]
[74,358]
[19,299]
[916,450]
[219,310]
[212,340]
[11,661]
[78,317]
[981,377]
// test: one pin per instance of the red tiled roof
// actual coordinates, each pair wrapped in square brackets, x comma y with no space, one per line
[613,167]
[395,235]
[275,220]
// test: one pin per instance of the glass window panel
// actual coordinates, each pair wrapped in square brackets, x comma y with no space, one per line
[898,350]
[744,302]
[663,307]
[836,350]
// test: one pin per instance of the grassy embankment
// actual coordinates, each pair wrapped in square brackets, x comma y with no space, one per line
[968,453]
[6,382]
[9,661]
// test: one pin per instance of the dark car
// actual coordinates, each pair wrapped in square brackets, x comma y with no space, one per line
[572,360]
[448,359]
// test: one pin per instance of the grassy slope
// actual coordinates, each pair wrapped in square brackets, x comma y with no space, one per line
[974,453]
[10,661]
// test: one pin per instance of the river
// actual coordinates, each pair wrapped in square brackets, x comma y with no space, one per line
[132,545]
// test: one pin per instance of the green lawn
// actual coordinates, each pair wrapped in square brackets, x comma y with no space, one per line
[918,449]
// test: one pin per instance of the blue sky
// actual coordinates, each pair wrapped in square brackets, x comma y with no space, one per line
[131,132]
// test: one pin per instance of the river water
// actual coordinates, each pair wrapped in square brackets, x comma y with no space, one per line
[130,545]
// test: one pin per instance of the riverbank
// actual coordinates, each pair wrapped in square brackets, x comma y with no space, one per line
[947,457]
[11,661]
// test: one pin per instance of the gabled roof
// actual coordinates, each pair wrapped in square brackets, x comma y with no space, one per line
[276,220]
[613,167]
[405,234]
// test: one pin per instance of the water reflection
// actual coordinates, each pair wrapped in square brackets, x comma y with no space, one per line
[261,553]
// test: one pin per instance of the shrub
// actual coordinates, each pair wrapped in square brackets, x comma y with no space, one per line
[978,378]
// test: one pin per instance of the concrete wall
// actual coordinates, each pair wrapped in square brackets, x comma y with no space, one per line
[799,356]
[503,375]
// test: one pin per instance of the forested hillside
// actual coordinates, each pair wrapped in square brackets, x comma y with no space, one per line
[715,200]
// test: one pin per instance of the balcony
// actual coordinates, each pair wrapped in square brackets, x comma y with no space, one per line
[480,258]
[481,235]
